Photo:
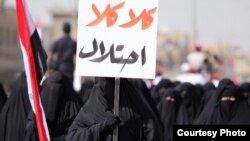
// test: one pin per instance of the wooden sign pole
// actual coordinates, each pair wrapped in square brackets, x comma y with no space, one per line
[116,106]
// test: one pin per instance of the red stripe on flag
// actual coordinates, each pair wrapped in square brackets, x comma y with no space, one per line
[25,40]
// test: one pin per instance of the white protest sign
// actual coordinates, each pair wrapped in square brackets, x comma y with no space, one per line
[117,38]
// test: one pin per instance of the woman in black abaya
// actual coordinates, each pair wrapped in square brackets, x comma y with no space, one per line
[95,121]
[15,111]
[227,106]
[141,85]
[190,103]
[61,105]
[168,108]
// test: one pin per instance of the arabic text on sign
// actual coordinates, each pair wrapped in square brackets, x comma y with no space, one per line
[112,16]
[131,59]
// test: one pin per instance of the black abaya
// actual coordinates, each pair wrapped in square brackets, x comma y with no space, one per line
[226,106]
[190,103]
[14,113]
[96,120]
[86,88]
[61,105]
[168,108]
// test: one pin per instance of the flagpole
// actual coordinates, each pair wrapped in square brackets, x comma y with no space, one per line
[116,106]
[32,55]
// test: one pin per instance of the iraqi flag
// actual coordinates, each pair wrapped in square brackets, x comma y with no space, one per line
[34,57]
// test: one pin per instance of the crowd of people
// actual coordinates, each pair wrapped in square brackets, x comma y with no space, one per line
[144,113]
[147,112]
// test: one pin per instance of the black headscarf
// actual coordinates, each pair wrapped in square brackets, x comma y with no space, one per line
[245,88]
[225,109]
[86,90]
[14,113]
[190,105]
[61,105]
[168,108]
[209,86]
[3,97]
[138,121]
[205,116]
[160,88]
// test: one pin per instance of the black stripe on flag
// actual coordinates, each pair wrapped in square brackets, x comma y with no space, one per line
[40,55]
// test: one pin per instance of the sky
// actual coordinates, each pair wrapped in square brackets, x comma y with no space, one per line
[216,20]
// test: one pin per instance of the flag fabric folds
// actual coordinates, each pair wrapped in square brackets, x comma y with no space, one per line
[34,57]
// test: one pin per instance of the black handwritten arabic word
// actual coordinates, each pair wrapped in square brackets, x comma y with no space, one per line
[131,59]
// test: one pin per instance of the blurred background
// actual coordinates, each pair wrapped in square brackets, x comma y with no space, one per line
[221,28]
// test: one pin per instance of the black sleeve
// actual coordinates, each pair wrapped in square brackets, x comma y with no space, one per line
[78,131]
[149,131]
[85,128]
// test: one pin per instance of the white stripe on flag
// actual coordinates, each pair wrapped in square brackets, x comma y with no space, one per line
[27,71]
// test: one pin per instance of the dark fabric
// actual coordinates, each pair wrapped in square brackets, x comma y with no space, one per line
[141,85]
[227,112]
[204,101]
[209,91]
[138,121]
[168,108]
[157,90]
[209,86]
[14,113]
[245,89]
[224,110]
[242,114]
[86,90]
[64,49]
[176,83]
[40,56]
[199,90]
[61,105]
[218,111]
[224,83]
[205,116]
[190,105]
[3,97]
